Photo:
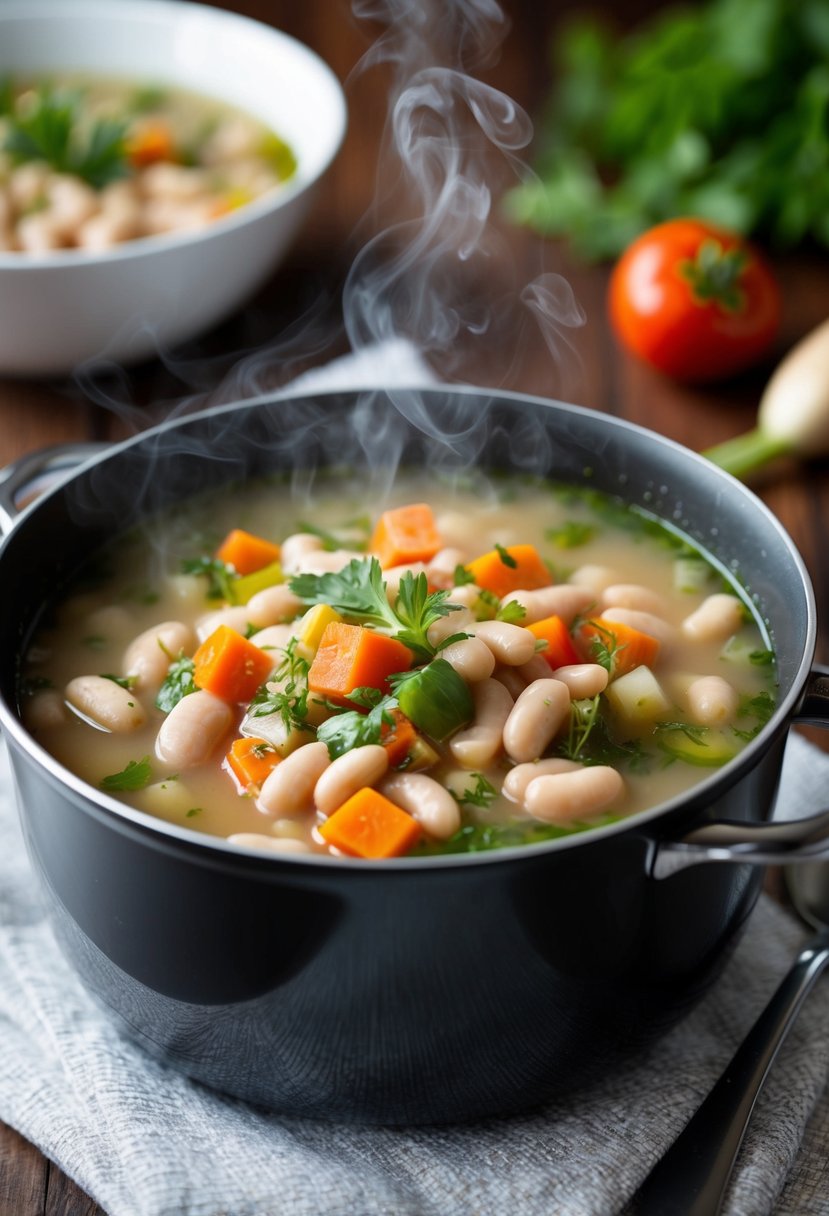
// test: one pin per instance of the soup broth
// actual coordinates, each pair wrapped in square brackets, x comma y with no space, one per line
[500,662]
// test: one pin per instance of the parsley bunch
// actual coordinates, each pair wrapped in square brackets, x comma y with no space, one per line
[716,110]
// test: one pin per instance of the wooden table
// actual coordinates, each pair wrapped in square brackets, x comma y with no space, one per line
[590,370]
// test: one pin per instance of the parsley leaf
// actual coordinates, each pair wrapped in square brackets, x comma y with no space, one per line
[286,693]
[350,729]
[135,776]
[358,594]
[50,127]
[177,683]
[127,682]
[220,576]
[506,557]
[483,793]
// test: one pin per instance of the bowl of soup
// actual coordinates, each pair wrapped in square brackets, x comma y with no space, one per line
[156,161]
[354,751]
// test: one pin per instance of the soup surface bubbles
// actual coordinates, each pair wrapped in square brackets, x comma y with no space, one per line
[476,665]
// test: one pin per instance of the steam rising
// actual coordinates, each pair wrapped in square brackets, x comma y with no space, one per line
[454,144]
[436,274]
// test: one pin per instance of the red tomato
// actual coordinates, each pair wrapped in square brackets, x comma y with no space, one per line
[694,300]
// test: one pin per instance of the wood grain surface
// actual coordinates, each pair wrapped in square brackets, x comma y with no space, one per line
[589,369]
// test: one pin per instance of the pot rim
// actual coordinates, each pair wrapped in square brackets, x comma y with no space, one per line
[212,849]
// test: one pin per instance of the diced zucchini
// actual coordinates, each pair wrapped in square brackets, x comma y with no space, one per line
[704,746]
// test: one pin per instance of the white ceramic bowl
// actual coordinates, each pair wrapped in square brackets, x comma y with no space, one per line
[61,309]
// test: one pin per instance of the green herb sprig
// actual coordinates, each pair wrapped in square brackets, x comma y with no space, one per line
[49,127]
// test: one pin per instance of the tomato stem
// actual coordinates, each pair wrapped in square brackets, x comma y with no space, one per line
[747,452]
[714,275]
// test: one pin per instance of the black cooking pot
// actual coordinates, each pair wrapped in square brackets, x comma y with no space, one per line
[410,990]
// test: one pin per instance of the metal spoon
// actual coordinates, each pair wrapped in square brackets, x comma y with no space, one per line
[690,1179]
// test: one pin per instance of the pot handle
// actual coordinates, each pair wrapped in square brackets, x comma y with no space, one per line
[781,843]
[25,479]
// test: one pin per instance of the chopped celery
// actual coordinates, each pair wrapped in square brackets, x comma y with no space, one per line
[691,575]
[744,651]
[435,698]
[247,585]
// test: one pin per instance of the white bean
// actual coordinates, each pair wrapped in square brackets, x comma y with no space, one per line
[176,183]
[471,658]
[645,622]
[517,779]
[568,797]
[102,231]
[273,637]
[295,547]
[511,678]
[712,701]
[467,596]
[717,618]
[453,527]
[536,669]
[478,744]
[441,569]
[148,657]
[583,679]
[535,719]
[460,621]
[323,561]
[273,606]
[512,645]
[192,730]
[426,800]
[633,595]
[27,183]
[349,773]
[108,704]
[289,788]
[269,844]
[235,617]
[72,202]
[594,578]
[38,233]
[393,576]
[44,710]
[562,600]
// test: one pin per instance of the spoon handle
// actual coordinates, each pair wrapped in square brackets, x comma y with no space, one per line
[691,1177]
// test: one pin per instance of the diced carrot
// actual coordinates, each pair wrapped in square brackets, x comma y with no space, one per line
[628,647]
[246,552]
[405,534]
[398,738]
[370,825]
[350,656]
[230,666]
[513,568]
[560,650]
[152,142]
[250,760]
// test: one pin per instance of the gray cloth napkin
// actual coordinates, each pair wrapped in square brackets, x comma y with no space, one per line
[144,1141]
